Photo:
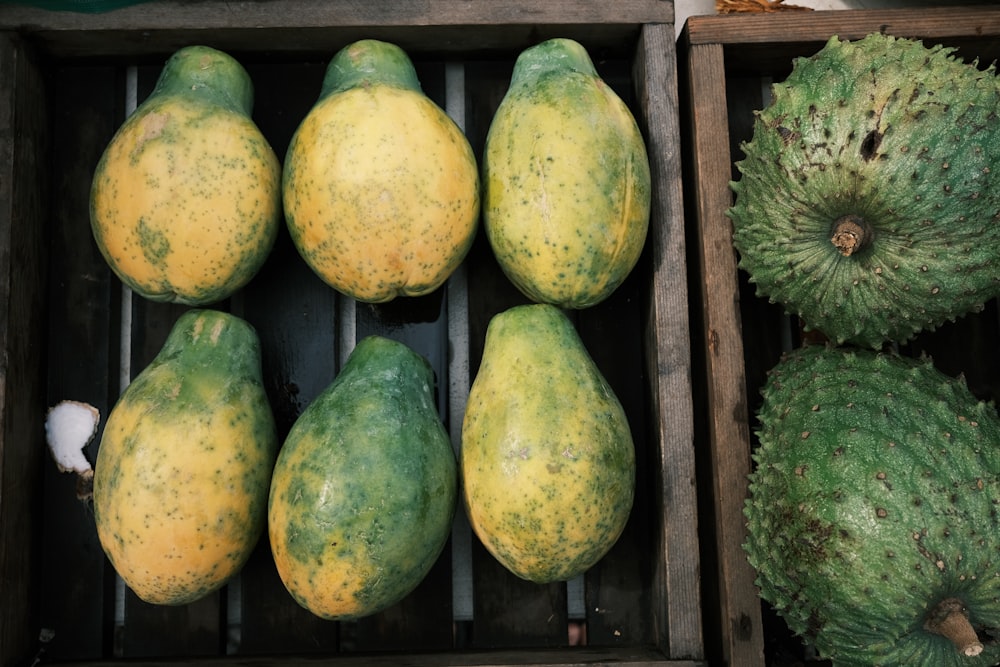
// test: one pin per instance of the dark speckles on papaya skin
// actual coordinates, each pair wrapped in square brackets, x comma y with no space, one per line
[370,497]
[565,488]
[154,243]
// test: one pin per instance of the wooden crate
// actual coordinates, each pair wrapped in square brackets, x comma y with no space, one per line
[726,64]
[69,331]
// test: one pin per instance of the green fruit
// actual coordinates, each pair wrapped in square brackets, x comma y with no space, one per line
[873,510]
[868,202]
[182,474]
[185,203]
[365,486]
[566,180]
[548,463]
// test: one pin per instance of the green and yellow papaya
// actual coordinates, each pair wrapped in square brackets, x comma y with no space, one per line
[185,203]
[547,459]
[182,473]
[566,180]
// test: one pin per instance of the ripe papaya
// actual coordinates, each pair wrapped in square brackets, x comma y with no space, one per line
[547,459]
[184,465]
[185,203]
[566,180]
[381,188]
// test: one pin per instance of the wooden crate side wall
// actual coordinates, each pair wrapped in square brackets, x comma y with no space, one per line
[310,26]
[23,199]
[668,361]
[732,608]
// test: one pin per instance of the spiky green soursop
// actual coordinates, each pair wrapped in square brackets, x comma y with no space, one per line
[868,201]
[873,510]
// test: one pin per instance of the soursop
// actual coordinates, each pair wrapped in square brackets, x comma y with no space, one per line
[873,509]
[868,199]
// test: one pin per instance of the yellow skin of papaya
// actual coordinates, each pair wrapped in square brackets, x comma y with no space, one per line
[547,459]
[186,200]
[181,481]
[566,182]
[381,193]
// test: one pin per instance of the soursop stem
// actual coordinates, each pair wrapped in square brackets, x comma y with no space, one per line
[948,619]
[850,234]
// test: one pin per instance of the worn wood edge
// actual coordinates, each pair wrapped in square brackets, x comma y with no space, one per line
[668,351]
[317,28]
[209,14]
[819,26]
[577,657]
[23,133]
[728,426]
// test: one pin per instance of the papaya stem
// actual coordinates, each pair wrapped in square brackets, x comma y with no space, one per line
[949,619]
[850,234]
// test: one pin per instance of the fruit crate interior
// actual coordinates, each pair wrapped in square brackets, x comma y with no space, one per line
[726,65]
[68,330]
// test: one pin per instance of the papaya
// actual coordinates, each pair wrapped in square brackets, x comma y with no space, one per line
[380,186]
[566,180]
[365,487]
[185,202]
[547,457]
[184,465]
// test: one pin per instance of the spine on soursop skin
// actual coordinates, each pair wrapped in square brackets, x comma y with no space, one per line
[868,202]
[872,517]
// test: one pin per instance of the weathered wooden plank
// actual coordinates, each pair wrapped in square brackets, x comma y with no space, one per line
[577,657]
[302,13]
[82,351]
[317,26]
[667,345]
[765,43]
[777,28]
[619,589]
[738,621]
[422,620]
[24,190]
[294,315]
[216,14]
[508,611]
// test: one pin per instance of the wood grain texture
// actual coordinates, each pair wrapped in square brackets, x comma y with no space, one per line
[667,345]
[773,29]
[23,262]
[185,14]
[759,45]
[579,657]
[739,620]
[320,26]
[83,295]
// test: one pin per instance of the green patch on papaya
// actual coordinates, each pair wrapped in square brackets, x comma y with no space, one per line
[153,242]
